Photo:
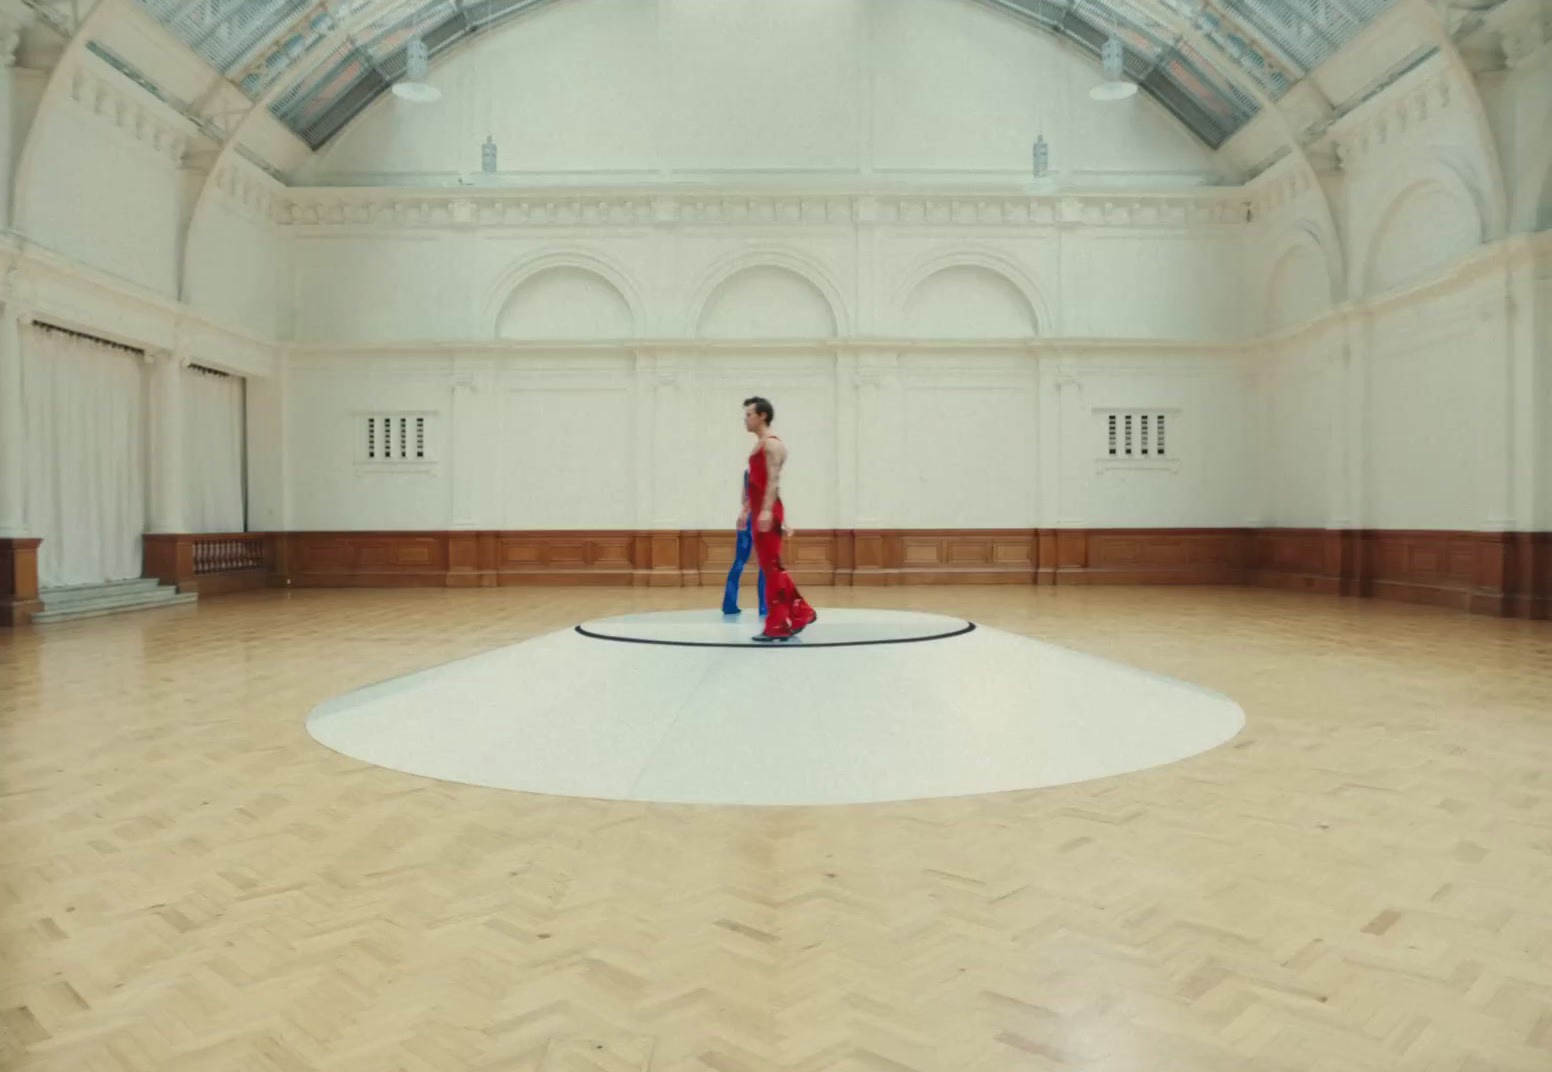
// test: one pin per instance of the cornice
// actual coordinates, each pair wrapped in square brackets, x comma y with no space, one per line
[456,207]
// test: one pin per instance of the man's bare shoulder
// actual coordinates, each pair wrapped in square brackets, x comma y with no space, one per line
[775,449]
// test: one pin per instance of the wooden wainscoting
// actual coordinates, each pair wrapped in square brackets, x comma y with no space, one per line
[1527,576]
[1144,556]
[813,557]
[365,559]
[575,558]
[1437,568]
[676,558]
[19,580]
[1311,560]
[942,556]
[1503,574]
[1499,573]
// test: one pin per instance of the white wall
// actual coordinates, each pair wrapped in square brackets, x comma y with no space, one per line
[100,181]
[1206,479]
[20,89]
[940,341]
[1418,411]
[1428,414]
[679,89]
[1404,382]
[1541,335]
[687,180]
[878,439]
[374,268]
[325,486]
[239,269]
[1297,423]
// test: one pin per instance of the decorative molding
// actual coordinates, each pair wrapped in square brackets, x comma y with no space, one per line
[255,192]
[1141,348]
[106,96]
[18,293]
[1279,188]
[90,300]
[11,27]
[1524,33]
[1368,129]
[459,207]
[1097,210]
[740,210]
[1500,256]
[455,208]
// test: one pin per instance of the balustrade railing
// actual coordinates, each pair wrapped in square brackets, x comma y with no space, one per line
[224,553]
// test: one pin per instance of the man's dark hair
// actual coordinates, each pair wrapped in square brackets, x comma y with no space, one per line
[762,407]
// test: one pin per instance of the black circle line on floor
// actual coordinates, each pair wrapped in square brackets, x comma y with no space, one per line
[794,644]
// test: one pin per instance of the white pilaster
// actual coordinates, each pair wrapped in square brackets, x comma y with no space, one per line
[167,476]
[13,434]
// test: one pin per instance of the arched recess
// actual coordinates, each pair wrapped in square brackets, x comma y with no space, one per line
[563,295]
[991,261]
[1299,287]
[772,294]
[969,300]
[1533,191]
[1491,192]
[53,98]
[1431,216]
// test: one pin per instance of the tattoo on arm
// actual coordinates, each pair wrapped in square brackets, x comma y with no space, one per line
[774,456]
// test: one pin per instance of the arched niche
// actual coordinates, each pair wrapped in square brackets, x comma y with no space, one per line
[969,301]
[565,302]
[766,302]
[1426,227]
[1299,289]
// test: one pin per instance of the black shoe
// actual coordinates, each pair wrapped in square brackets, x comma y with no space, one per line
[762,638]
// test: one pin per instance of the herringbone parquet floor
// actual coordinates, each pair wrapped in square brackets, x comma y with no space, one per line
[1362,880]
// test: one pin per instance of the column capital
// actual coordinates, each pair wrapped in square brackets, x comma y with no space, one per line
[11,27]
[18,294]
[167,464]
[175,358]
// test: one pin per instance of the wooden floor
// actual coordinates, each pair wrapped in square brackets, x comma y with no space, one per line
[1361,880]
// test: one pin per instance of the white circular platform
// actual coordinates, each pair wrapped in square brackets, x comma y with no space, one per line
[981,711]
[835,628]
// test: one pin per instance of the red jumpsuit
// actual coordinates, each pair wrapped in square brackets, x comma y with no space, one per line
[788,612]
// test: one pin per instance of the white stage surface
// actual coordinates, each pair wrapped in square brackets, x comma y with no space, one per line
[866,706]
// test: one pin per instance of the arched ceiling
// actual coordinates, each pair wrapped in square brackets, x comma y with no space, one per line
[1209,62]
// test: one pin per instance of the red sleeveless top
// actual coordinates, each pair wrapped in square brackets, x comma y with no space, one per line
[759,480]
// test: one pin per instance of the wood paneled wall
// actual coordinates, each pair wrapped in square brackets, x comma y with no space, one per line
[823,557]
[1498,573]
[18,580]
[1490,573]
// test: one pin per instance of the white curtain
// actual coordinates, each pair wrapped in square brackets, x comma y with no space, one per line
[86,433]
[212,451]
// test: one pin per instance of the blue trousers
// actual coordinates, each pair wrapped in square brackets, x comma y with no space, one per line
[740,557]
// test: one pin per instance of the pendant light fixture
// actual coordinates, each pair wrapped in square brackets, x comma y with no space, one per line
[1112,58]
[413,86]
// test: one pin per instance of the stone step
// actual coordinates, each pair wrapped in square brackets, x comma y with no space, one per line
[112,602]
[63,596]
